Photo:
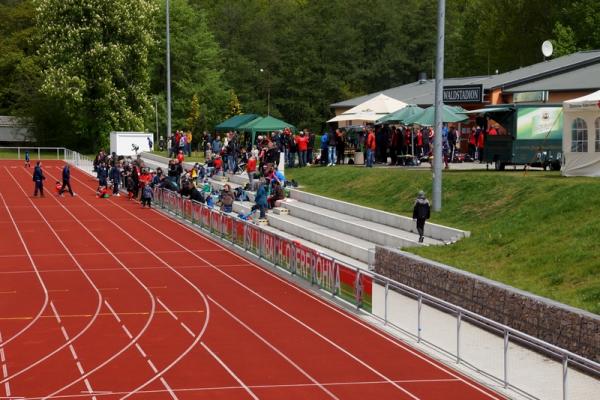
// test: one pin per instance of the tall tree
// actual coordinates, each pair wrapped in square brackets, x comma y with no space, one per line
[94,57]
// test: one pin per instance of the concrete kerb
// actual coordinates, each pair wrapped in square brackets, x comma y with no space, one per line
[435,231]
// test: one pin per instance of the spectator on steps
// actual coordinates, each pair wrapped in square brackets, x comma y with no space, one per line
[421,213]
[260,199]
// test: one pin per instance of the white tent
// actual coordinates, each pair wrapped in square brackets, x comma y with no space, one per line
[581,136]
[371,110]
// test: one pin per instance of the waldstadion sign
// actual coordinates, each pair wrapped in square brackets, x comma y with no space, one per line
[463,94]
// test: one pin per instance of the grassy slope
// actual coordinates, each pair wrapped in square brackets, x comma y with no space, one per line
[537,231]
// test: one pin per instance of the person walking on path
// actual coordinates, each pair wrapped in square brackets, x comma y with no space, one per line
[66,181]
[27,159]
[421,213]
[38,178]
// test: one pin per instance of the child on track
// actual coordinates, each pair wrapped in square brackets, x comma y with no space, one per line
[147,195]
[102,192]
[27,160]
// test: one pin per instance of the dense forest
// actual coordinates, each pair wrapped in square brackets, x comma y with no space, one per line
[78,70]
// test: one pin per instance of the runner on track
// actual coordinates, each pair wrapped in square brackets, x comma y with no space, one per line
[38,178]
[27,163]
[66,180]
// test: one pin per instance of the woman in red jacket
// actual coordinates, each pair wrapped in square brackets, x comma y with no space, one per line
[302,144]
[480,145]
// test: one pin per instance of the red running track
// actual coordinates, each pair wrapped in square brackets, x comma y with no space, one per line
[100,299]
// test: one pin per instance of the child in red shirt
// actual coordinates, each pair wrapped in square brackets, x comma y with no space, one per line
[102,192]
[218,164]
[180,157]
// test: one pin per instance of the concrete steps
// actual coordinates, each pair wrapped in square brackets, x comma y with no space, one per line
[340,229]
[382,235]
[442,234]
[351,246]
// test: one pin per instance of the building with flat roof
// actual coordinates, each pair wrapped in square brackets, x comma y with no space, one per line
[548,82]
[14,130]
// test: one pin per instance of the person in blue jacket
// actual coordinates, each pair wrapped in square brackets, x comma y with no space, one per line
[38,178]
[260,199]
[66,181]
[324,148]
[115,176]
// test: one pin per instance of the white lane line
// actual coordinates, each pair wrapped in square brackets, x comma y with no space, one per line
[83,272]
[127,331]
[80,368]
[151,364]
[37,273]
[56,315]
[276,350]
[4,369]
[73,352]
[176,272]
[242,384]
[64,332]
[187,329]
[358,322]
[89,387]
[100,300]
[292,317]
[167,309]
[137,345]
[112,311]
[166,385]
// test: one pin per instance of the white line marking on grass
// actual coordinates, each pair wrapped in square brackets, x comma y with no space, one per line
[242,384]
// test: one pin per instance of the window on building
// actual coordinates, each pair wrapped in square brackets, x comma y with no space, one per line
[579,136]
[598,135]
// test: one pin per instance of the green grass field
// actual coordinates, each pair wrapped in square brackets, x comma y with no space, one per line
[536,231]
[10,154]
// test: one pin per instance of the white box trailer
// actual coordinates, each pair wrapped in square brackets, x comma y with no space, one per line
[130,143]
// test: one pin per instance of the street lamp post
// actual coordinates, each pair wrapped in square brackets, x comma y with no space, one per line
[268,94]
[156,117]
[168,75]
[439,88]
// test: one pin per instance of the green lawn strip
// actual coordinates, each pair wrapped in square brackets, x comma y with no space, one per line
[537,231]
[196,156]
[8,154]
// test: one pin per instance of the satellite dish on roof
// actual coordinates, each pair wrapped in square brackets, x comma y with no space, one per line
[547,48]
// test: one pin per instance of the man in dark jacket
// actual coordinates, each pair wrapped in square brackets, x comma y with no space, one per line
[66,181]
[114,174]
[38,178]
[421,213]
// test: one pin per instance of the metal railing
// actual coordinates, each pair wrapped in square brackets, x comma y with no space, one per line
[36,153]
[463,336]
[78,160]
